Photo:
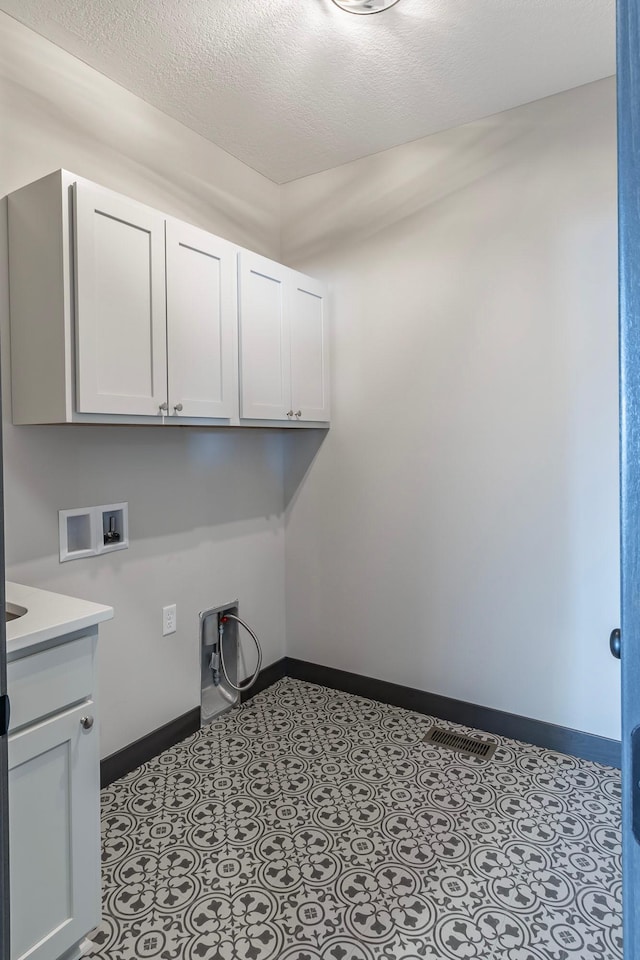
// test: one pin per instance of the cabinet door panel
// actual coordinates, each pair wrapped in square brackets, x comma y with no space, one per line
[309,348]
[265,371]
[121,364]
[201,320]
[54,835]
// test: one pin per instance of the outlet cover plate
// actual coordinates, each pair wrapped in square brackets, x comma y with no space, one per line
[169,622]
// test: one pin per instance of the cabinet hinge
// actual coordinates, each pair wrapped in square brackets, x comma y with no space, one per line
[5,713]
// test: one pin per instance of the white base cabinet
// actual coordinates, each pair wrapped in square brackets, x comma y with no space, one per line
[54,801]
[122,314]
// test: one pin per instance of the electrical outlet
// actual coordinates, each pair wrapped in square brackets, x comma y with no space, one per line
[168,620]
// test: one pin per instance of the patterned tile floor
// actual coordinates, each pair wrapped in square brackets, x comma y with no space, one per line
[313,825]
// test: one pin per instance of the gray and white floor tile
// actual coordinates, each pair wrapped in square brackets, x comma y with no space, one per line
[309,824]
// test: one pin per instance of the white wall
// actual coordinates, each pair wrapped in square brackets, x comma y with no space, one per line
[457,530]
[206,519]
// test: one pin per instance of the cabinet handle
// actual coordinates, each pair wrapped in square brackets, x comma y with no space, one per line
[178,407]
[290,413]
[163,406]
[298,413]
[86,723]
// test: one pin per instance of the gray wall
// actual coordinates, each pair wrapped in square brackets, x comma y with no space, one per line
[206,520]
[457,530]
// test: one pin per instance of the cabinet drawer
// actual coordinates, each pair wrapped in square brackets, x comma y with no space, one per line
[51,680]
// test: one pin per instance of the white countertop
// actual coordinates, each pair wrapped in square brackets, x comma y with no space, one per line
[49,616]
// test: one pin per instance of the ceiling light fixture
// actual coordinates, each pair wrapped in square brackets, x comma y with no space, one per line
[364,6]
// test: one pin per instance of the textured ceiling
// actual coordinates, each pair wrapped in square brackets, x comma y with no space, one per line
[292,87]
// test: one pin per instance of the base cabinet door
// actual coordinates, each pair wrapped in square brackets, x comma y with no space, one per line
[54,834]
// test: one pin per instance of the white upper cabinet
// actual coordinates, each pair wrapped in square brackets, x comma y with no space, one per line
[201,321]
[309,349]
[265,370]
[120,314]
[283,343]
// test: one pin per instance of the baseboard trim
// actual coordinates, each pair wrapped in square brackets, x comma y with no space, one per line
[576,743]
[148,747]
[135,754]
[587,746]
[266,678]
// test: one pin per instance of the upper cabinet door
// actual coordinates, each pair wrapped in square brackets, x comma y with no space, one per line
[265,368]
[201,322]
[309,349]
[121,360]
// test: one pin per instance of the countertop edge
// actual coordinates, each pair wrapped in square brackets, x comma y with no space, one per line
[49,615]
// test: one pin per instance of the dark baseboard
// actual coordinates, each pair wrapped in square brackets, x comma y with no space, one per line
[588,746]
[266,678]
[135,754]
[547,735]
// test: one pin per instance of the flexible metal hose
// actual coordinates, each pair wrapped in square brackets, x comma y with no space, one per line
[247,683]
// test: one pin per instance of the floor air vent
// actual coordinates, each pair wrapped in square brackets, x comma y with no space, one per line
[455,741]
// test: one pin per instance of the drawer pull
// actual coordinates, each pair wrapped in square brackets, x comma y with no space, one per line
[86,723]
